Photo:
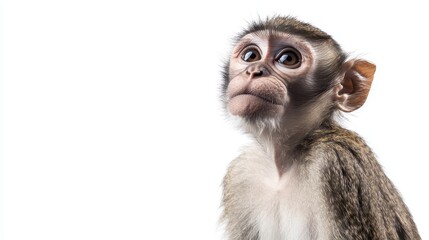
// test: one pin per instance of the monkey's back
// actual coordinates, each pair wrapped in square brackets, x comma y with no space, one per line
[364,202]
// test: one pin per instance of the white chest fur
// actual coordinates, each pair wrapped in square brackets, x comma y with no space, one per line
[285,207]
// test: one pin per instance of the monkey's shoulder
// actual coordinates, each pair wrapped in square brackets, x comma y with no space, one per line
[343,153]
[336,138]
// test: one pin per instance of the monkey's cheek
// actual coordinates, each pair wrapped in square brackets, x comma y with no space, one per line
[252,106]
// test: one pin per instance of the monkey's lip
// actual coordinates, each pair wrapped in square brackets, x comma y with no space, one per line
[267,99]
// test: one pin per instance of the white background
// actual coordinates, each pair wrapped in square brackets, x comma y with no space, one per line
[112,125]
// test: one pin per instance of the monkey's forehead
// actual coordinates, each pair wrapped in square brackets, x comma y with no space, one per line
[270,35]
[273,39]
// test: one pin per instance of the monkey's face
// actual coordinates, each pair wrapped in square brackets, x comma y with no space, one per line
[263,68]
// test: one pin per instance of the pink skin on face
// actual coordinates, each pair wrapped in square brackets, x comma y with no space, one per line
[259,87]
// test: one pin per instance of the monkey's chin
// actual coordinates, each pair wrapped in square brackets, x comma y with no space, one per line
[253,107]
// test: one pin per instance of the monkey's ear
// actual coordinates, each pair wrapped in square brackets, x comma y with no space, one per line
[352,91]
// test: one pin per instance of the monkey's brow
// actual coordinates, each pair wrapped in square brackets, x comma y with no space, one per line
[241,44]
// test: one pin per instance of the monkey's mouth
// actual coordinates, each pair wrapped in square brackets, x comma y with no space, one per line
[264,97]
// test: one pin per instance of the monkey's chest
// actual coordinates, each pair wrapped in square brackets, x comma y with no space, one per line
[277,208]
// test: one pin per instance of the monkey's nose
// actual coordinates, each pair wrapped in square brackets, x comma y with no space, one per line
[256,71]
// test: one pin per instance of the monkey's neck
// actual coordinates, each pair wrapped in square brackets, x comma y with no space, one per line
[281,147]
[283,143]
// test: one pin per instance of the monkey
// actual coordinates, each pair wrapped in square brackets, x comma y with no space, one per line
[304,176]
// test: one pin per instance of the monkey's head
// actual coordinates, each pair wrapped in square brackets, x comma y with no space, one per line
[282,69]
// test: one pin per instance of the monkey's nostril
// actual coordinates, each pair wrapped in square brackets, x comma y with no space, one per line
[258,73]
[255,73]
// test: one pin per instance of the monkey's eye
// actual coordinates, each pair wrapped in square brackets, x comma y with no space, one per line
[250,55]
[289,57]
